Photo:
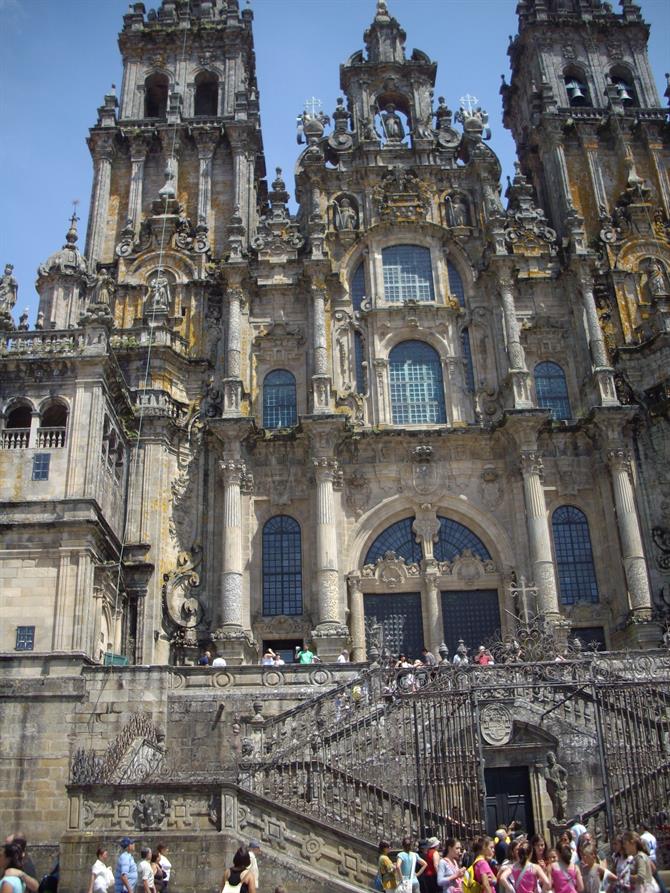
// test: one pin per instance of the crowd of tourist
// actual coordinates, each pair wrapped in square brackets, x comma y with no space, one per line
[512,862]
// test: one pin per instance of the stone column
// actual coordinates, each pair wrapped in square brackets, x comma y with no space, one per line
[206,142]
[103,151]
[232,381]
[518,370]
[320,377]
[98,598]
[628,524]
[602,370]
[231,577]
[538,534]
[357,618]
[326,469]
[660,168]
[138,154]
[431,608]
[591,146]
[380,383]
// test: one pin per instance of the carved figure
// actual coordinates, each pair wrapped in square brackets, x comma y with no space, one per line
[393,126]
[9,289]
[369,130]
[424,129]
[556,778]
[457,210]
[443,114]
[159,295]
[656,279]
[346,216]
[104,287]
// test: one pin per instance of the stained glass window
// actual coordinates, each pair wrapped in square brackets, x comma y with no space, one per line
[358,286]
[359,357]
[282,567]
[551,389]
[467,356]
[415,379]
[455,537]
[456,283]
[397,538]
[279,400]
[574,556]
[408,275]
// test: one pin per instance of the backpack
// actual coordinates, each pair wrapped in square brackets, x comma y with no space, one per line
[470,885]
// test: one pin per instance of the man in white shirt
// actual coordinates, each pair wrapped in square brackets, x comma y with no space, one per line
[649,839]
[254,851]
[219,662]
[343,657]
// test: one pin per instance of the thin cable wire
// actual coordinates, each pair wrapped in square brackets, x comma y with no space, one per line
[132,474]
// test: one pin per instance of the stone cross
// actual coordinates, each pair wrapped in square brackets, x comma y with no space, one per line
[313,106]
[468,103]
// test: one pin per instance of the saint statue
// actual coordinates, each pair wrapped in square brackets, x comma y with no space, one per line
[393,127]
[159,295]
[346,216]
[656,279]
[457,210]
[556,778]
[104,288]
[9,289]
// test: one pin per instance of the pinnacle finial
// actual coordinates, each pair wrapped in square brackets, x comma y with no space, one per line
[72,235]
[382,8]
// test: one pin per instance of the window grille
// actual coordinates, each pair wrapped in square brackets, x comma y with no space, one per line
[279,400]
[574,556]
[358,286]
[397,538]
[41,463]
[282,567]
[25,638]
[415,379]
[455,537]
[456,283]
[472,615]
[551,390]
[358,359]
[408,275]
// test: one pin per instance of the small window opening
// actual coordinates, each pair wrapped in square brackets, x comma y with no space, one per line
[155,96]
[206,95]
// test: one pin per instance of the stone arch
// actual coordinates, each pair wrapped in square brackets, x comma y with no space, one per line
[206,94]
[156,92]
[577,73]
[173,262]
[622,74]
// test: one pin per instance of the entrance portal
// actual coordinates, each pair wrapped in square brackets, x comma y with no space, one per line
[472,615]
[508,798]
[400,617]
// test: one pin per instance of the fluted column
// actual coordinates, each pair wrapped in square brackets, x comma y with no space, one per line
[516,355]
[320,377]
[231,577]
[602,370]
[357,618]
[628,524]
[138,154]
[103,151]
[431,608]
[329,611]
[591,148]
[206,143]
[538,533]
[232,383]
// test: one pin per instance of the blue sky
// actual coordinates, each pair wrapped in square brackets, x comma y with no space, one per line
[59,57]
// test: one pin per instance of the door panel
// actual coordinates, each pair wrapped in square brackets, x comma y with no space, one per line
[400,616]
[472,615]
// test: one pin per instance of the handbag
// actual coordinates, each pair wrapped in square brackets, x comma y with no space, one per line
[405,886]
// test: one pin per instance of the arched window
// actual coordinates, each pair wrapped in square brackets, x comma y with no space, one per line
[16,435]
[206,104]
[156,89]
[467,357]
[282,567]
[624,84]
[358,286]
[279,400]
[455,283]
[359,358]
[53,424]
[551,390]
[415,380]
[574,556]
[397,538]
[408,275]
[575,87]
[455,537]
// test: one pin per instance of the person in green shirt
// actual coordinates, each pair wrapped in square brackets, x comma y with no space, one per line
[304,655]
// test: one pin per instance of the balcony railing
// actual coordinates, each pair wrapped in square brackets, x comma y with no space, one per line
[14,438]
[50,438]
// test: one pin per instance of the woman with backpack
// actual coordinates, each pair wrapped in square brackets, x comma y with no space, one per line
[406,864]
[528,876]
[566,877]
[238,878]
[480,875]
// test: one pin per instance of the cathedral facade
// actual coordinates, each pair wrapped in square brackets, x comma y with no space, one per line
[423,405]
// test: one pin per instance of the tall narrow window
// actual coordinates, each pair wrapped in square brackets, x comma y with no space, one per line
[574,556]
[551,389]
[467,357]
[359,358]
[53,424]
[16,435]
[456,283]
[41,462]
[408,275]
[397,538]
[156,96]
[206,95]
[578,93]
[358,286]
[415,380]
[282,567]
[279,400]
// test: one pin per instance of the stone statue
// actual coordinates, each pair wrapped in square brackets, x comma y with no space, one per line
[346,216]
[424,128]
[556,778]
[104,288]
[457,210]
[212,402]
[656,280]
[9,289]
[159,294]
[443,114]
[368,129]
[393,126]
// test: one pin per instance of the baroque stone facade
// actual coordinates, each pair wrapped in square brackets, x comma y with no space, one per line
[410,404]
